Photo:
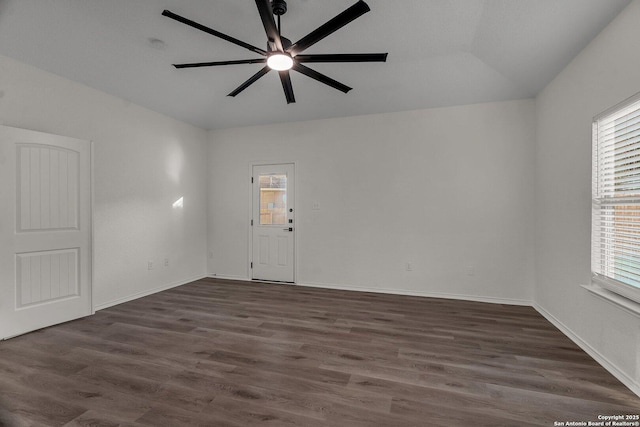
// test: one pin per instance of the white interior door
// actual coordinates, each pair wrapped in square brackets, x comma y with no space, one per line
[45,230]
[273,226]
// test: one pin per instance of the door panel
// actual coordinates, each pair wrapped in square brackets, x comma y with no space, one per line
[46,276]
[283,250]
[273,230]
[263,244]
[45,230]
[48,188]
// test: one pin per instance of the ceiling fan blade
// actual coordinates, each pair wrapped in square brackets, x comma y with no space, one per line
[213,32]
[213,64]
[285,77]
[251,81]
[331,26]
[266,14]
[343,57]
[321,78]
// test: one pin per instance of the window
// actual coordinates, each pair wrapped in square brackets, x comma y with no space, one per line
[615,235]
[273,199]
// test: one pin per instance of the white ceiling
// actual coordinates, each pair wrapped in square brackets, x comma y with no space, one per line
[441,52]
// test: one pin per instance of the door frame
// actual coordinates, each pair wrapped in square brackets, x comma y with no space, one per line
[296,223]
[93,226]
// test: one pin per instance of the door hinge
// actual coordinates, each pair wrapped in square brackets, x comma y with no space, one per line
[251,264]
[252,223]
[252,180]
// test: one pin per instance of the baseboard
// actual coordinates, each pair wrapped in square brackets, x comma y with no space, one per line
[414,293]
[625,379]
[147,292]
[227,277]
[475,298]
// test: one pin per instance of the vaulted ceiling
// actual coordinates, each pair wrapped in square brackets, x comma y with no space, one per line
[441,52]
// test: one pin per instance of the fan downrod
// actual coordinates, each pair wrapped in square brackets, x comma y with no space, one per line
[279,7]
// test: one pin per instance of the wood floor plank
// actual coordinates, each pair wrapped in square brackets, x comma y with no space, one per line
[35,405]
[228,353]
[100,419]
[252,414]
[166,416]
[85,394]
[289,401]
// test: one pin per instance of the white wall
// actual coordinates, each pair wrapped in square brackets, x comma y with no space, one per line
[445,189]
[143,162]
[604,74]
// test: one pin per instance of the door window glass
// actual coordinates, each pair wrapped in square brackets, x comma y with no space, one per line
[273,199]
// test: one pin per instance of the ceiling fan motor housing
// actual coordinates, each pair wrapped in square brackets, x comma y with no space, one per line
[279,7]
[286,44]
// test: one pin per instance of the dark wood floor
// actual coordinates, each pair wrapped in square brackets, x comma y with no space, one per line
[216,353]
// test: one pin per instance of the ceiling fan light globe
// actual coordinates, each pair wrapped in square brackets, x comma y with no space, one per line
[280,62]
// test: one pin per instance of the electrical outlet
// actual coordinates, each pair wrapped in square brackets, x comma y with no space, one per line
[166,262]
[471,271]
[409,266]
[315,206]
[150,265]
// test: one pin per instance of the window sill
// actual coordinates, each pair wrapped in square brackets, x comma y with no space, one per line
[626,304]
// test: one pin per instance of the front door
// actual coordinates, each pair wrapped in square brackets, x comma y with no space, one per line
[273,226]
[45,230]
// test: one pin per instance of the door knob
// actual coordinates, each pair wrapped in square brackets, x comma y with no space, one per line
[288,229]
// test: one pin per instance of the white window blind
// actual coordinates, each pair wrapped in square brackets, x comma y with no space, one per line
[615,237]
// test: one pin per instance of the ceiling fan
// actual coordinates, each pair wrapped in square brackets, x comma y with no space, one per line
[282,55]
